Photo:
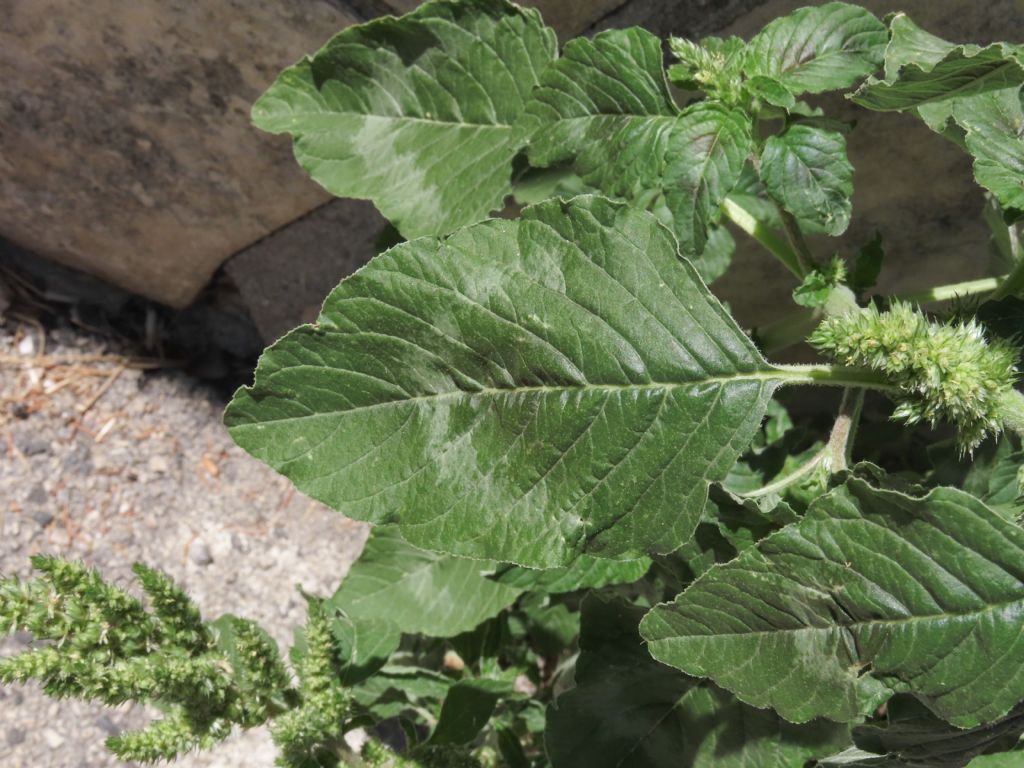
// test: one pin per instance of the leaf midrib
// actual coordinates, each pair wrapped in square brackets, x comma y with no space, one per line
[767,375]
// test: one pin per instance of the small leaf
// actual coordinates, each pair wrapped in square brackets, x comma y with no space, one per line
[364,646]
[522,391]
[807,170]
[873,590]
[717,256]
[706,152]
[604,107]
[867,266]
[819,283]
[994,122]
[418,113]
[818,49]
[466,710]
[417,591]
[771,91]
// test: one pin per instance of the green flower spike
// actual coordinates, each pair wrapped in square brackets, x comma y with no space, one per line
[944,371]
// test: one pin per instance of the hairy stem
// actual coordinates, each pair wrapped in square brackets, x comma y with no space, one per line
[791,479]
[947,292]
[775,245]
[844,430]
[835,376]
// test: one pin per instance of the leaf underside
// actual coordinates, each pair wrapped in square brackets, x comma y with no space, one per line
[872,592]
[522,391]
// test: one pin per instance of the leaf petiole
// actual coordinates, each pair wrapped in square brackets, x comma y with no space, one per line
[777,246]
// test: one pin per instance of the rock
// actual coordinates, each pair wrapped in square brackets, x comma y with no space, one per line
[108,726]
[159,465]
[53,739]
[199,553]
[32,445]
[14,736]
[38,494]
[240,543]
[42,517]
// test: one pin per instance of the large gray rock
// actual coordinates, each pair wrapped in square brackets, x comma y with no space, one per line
[125,144]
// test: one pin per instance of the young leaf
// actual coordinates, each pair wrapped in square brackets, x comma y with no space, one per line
[922,69]
[873,591]
[417,591]
[522,391]
[627,709]
[605,107]
[818,49]
[418,113]
[706,152]
[807,170]
[819,284]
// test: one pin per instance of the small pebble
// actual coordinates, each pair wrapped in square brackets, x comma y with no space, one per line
[42,517]
[15,736]
[27,346]
[159,464]
[38,494]
[53,739]
[240,543]
[199,552]
[108,726]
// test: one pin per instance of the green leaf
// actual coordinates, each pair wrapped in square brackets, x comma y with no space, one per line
[522,391]
[819,284]
[717,256]
[627,709]
[706,152]
[915,738]
[604,107]
[923,69]
[806,169]
[363,646]
[417,591]
[466,710]
[418,113]
[585,572]
[873,591]
[867,266]
[993,473]
[818,49]
[994,123]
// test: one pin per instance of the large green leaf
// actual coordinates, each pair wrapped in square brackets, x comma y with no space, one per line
[922,69]
[585,573]
[604,107]
[873,591]
[418,113]
[806,169]
[817,49]
[707,149]
[419,592]
[522,391]
[629,710]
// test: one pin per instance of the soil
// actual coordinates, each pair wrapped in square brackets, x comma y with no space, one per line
[112,459]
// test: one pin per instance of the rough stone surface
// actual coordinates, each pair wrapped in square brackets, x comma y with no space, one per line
[568,17]
[125,144]
[284,278]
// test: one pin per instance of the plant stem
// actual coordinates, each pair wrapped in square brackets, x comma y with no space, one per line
[947,292]
[796,240]
[844,430]
[793,477]
[1011,285]
[834,375]
[776,245]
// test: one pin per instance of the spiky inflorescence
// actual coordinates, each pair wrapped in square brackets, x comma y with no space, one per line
[943,371]
[101,643]
[307,735]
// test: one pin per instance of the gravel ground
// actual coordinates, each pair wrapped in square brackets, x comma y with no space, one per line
[111,464]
